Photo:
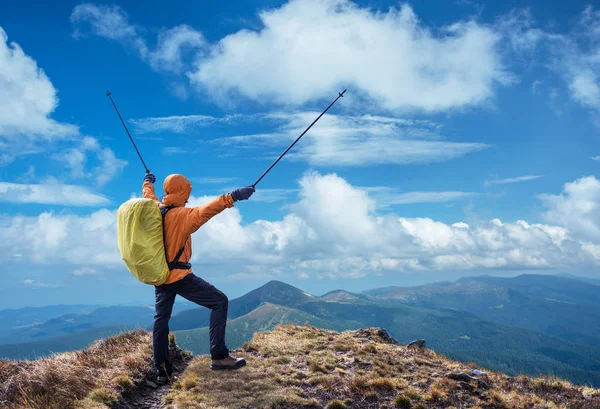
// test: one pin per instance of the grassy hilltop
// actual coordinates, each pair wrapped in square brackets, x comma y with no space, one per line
[289,367]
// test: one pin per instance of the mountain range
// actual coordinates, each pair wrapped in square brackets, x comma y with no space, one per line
[527,324]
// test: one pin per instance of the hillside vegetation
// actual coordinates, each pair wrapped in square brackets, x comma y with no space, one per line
[533,324]
[460,335]
[289,367]
[95,378]
[305,367]
[556,306]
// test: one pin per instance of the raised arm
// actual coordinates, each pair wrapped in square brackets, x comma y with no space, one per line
[201,214]
[148,188]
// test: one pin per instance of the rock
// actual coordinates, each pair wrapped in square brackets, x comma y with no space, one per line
[466,386]
[420,344]
[463,377]
[385,335]
[460,376]
[378,334]
[151,384]
[477,372]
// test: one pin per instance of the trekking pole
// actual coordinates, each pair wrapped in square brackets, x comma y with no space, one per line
[108,94]
[341,94]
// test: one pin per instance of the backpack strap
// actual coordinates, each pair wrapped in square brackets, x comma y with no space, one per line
[175,264]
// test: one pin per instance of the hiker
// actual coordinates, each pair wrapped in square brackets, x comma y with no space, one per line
[179,223]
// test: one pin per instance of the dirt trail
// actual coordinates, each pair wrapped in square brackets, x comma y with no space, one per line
[144,397]
[148,395]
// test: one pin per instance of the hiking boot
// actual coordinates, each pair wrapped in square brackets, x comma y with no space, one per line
[163,378]
[227,363]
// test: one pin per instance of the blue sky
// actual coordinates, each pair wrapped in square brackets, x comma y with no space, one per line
[467,142]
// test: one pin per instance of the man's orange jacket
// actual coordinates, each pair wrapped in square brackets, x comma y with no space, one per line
[182,221]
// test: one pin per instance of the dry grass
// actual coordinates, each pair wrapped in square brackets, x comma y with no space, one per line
[289,367]
[89,379]
[305,367]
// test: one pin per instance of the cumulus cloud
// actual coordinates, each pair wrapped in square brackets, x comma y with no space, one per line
[76,159]
[172,43]
[50,238]
[28,100]
[112,22]
[390,59]
[50,193]
[310,49]
[332,230]
[28,96]
[577,208]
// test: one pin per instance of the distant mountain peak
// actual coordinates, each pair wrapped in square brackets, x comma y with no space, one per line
[278,292]
[344,296]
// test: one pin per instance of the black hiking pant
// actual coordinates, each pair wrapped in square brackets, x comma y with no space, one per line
[198,291]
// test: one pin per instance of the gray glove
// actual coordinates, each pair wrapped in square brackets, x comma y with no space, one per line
[150,177]
[243,193]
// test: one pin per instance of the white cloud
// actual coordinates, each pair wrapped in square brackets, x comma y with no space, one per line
[109,166]
[85,271]
[359,141]
[582,63]
[512,180]
[389,198]
[38,284]
[112,22]
[28,176]
[172,150]
[574,55]
[272,195]
[577,208]
[188,123]
[171,45]
[54,194]
[336,139]
[596,157]
[76,158]
[518,27]
[105,21]
[333,230]
[28,99]
[584,87]
[310,49]
[49,239]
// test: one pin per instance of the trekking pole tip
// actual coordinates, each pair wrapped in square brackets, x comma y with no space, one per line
[343,92]
[107,93]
